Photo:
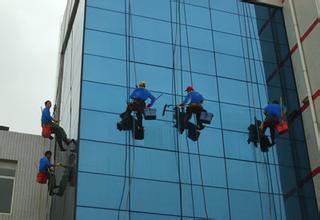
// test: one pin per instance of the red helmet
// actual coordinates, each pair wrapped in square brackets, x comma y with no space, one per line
[189,89]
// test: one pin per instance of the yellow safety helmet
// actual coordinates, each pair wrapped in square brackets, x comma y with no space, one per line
[142,84]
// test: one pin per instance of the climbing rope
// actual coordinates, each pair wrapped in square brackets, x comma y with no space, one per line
[266,158]
[174,97]
[187,141]
[127,45]
[266,92]
[247,31]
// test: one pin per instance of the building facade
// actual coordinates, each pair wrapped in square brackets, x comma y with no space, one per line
[21,197]
[302,25]
[218,47]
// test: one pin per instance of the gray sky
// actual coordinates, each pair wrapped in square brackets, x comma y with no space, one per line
[29,39]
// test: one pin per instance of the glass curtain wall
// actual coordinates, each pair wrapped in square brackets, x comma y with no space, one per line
[216,46]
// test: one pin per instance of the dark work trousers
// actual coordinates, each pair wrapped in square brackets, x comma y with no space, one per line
[270,122]
[137,106]
[60,133]
[51,182]
[196,109]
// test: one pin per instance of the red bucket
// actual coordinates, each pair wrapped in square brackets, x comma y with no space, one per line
[42,178]
[46,131]
[282,127]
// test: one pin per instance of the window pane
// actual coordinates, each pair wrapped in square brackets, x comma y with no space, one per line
[202,61]
[245,205]
[212,170]
[152,52]
[151,29]
[6,189]
[210,143]
[152,8]
[237,147]
[7,172]
[197,16]
[227,43]
[216,202]
[104,70]
[96,44]
[93,190]
[225,22]
[155,197]
[242,175]
[226,5]
[231,66]
[100,126]
[200,38]
[157,78]
[235,117]
[161,165]
[117,5]
[84,213]
[232,91]
[102,157]
[114,101]
[102,20]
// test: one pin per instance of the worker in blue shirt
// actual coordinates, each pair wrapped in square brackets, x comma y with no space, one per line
[274,115]
[138,104]
[45,164]
[47,120]
[46,169]
[195,105]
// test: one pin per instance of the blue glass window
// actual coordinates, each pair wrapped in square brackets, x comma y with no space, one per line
[228,44]
[232,91]
[226,5]
[102,158]
[95,44]
[152,8]
[118,5]
[92,190]
[165,199]
[225,22]
[101,20]
[104,70]
[231,66]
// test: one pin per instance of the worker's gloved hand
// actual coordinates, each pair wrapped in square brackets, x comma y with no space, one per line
[149,106]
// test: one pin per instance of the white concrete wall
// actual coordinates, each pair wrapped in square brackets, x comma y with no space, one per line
[30,199]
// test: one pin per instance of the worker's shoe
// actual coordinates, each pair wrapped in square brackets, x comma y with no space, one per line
[124,115]
[69,141]
[119,127]
[200,127]
[62,148]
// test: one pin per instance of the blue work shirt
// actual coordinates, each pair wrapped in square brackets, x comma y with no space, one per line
[195,98]
[273,110]
[44,164]
[142,94]
[46,117]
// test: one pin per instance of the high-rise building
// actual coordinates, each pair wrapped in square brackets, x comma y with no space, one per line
[237,55]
